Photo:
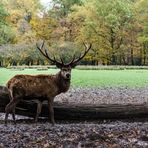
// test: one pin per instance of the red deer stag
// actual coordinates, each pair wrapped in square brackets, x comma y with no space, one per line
[41,87]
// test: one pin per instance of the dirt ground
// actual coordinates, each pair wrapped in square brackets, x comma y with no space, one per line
[75,135]
[69,134]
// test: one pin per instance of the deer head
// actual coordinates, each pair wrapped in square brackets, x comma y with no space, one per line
[65,67]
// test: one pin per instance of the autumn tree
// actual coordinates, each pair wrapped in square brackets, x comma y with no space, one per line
[117,29]
[20,19]
[6,33]
[105,24]
[22,13]
[142,15]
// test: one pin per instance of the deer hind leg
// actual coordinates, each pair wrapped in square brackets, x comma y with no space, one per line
[13,115]
[51,111]
[7,108]
[11,108]
[39,108]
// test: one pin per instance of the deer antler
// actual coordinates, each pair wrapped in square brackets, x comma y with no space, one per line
[45,54]
[74,61]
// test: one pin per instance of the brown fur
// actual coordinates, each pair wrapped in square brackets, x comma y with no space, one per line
[39,87]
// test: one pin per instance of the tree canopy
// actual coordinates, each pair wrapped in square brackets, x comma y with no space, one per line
[118,31]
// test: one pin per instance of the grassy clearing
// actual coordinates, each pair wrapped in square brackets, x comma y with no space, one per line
[89,78]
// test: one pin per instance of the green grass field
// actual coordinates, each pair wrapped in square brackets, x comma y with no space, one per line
[89,78]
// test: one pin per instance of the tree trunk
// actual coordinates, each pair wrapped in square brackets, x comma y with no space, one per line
[132,56]
[64,111]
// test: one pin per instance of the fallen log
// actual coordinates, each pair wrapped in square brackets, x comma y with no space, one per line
[64,111]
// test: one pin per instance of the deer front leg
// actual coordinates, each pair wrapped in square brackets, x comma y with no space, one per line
[39,108]
[51,111]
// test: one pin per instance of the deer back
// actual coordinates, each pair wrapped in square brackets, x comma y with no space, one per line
[33,86]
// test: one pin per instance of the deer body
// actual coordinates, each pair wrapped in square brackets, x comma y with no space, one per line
[40,87]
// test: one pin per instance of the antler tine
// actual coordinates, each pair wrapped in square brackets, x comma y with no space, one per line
[40,49]
[83,55]
[72,60]
[61,60]
[52,60]
[45,54]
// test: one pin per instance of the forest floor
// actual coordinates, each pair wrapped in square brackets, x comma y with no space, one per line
[130,133]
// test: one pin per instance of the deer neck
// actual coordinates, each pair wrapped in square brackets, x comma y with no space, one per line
[62,84]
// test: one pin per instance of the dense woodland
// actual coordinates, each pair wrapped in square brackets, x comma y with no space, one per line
[117,29]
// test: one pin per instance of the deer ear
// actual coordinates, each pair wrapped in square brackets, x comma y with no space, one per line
[58,65]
